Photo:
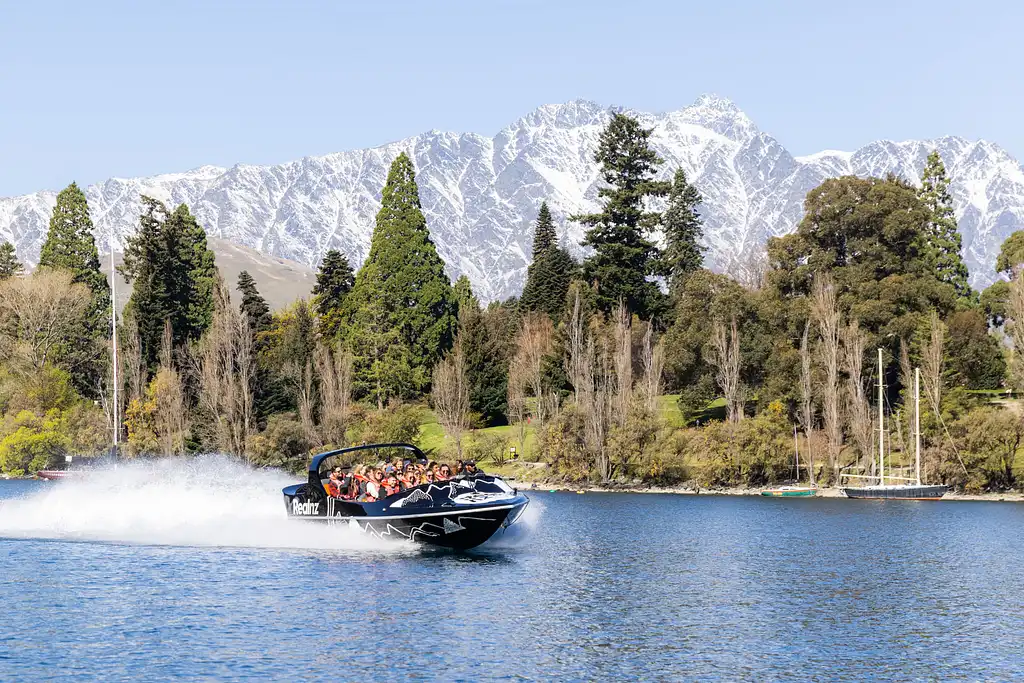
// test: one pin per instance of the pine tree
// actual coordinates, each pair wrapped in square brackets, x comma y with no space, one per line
[173,274]
[463,293]
[683,230]
[944,238]
[548,276]
[334,281]
[9,264]
[267,394]
[486,366]
[623,254]
[544,235]
[253,305]
[401,309]
[70,246]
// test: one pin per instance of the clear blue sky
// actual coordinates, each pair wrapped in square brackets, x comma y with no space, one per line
[98,89]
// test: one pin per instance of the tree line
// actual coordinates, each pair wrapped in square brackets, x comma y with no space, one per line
[636,363]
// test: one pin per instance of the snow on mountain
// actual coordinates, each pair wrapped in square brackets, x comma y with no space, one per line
[481,194]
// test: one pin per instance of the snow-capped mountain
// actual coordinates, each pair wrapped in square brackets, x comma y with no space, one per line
[481,194]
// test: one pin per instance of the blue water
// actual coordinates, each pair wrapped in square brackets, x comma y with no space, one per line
[174,570]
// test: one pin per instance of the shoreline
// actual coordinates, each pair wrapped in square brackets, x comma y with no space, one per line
[559,486]
[824,492]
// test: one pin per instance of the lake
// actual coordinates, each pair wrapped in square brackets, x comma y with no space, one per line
[189,569]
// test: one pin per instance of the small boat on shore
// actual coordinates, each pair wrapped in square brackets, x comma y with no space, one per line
[790,491]
[55,475]
[794,490]
[459,513]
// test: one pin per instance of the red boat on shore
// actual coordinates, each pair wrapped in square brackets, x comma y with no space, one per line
[54,475]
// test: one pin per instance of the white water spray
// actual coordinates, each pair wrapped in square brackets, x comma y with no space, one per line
[204,501]
[518,535]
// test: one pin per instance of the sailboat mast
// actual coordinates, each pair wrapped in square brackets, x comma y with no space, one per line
[113,327]
[881,422]
[796,449]
[917,424]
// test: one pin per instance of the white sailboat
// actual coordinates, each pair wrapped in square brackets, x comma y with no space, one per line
[886,487]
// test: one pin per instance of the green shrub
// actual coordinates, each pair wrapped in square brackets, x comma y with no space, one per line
[282,444]
[32,443]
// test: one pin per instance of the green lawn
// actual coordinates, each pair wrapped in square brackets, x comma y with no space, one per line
[432,438]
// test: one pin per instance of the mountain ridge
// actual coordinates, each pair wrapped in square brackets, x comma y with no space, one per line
[481,194]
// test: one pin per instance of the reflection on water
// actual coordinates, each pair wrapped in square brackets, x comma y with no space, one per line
[590,587]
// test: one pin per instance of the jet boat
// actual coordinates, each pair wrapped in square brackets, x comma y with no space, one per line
[460,513]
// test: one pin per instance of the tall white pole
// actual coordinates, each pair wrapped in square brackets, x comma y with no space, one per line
[917,423]
[113,327]
[881,423]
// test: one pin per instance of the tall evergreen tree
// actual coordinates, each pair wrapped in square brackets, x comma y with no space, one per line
[9,264]
[70,246]
[173,274]
[683,231]
[943,236]
[623,254]
[402,305]
[544,235]
[463,293]
[253,305]
[334,281]
[486,364]
[548,276]
[268,394]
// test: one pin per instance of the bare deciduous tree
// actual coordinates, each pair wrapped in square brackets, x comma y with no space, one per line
[130,356]
[807,395]
[750,269]
[170,416]
[653,359]
[451,395]
[39,313]
[621,352]
[335,371]
[534,343]
[858,406]
[906,417]
[1016,329]
[302,377]
[225,362]
[725,357]
[517,400]
[931,361]
[826,314]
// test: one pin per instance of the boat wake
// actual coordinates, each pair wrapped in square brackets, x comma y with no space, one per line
[209,500]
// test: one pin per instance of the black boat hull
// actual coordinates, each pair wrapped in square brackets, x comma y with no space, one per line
[460,529]
[896,492]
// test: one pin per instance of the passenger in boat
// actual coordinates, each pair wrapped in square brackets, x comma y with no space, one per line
[352,490]
[444,473]
[412,481]
[334,483]
[460,468]
[390,486]
[373,492]
[471,468]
